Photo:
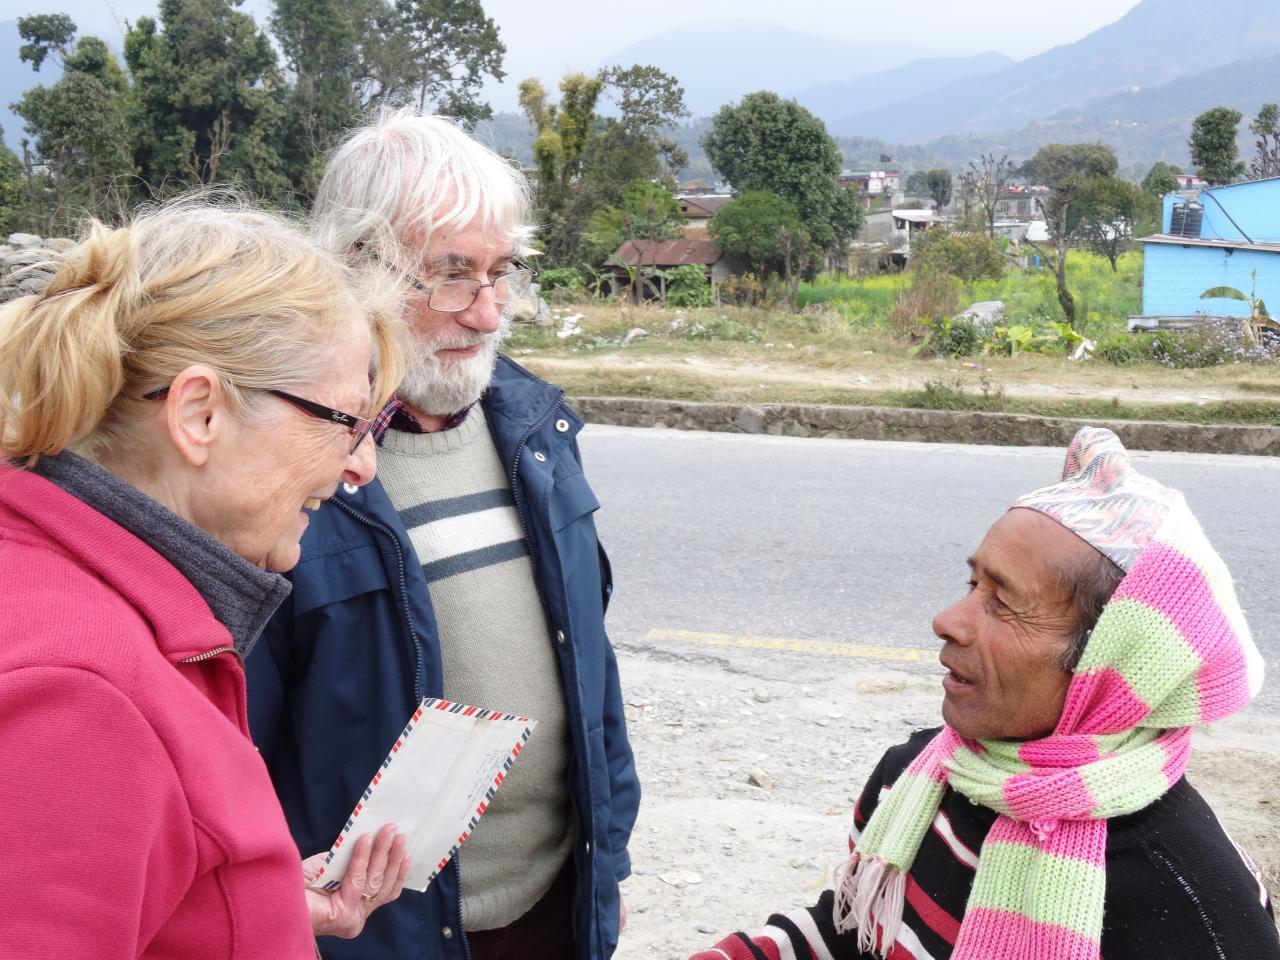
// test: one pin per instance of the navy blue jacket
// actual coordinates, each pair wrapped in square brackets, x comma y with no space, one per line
[339,670]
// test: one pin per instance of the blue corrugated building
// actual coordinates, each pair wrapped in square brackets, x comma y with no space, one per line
[1218,238]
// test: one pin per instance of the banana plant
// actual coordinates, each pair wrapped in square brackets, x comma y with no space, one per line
[1259,318]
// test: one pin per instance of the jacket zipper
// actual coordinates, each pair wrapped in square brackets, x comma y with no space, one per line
[462,934]
[417,667]
[537,584]
[210,654]
[404,595]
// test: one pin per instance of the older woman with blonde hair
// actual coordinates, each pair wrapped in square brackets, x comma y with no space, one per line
[172,405]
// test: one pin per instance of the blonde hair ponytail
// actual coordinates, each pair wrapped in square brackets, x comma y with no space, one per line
[242,291]
[61,352]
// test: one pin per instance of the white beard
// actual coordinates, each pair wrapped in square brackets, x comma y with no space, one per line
[441,388]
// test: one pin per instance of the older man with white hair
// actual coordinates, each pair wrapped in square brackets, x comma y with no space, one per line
[469,570]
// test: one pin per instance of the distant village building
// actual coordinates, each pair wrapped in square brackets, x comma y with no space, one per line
[875,187]
[653,256]
[1189,181]
[1221,237]
[887,234]
[1019,203]
[698,209]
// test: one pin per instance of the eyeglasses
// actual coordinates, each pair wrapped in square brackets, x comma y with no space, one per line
[454,296]
[358,427]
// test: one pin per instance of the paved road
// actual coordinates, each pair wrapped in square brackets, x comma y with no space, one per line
[788,557]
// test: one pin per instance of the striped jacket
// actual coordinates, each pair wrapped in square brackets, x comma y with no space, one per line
[1177,887]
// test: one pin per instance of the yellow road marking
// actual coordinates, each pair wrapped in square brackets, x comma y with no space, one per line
[822,648]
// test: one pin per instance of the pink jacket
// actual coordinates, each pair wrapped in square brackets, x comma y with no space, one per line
[136,818]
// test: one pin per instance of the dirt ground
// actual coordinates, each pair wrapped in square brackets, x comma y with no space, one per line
[1020,377]
[750,772]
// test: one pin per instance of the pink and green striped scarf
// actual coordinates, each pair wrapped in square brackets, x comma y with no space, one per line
[1170,649]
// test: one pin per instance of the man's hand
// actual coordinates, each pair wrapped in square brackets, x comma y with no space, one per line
[622,914]
[375,876]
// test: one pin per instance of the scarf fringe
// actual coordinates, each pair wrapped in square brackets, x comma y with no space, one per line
[870,894]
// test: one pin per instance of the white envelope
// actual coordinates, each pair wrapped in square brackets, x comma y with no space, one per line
[435,784]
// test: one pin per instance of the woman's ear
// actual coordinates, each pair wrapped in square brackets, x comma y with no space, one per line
[196,413]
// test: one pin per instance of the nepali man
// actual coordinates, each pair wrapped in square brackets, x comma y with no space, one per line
[470,569]
[1049,818]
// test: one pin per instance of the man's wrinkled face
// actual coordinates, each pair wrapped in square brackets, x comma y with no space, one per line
[1003,643]
[454,353]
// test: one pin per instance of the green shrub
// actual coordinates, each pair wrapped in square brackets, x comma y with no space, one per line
[565,279]
[952,337]
[748,290]
[930,297]
[965,256]
[1124,349]
[687,286]
[722,328]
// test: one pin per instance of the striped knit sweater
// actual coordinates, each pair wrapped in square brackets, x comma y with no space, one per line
[454,498]
[1177,888]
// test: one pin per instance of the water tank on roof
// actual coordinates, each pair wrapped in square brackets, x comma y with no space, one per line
[1186,219]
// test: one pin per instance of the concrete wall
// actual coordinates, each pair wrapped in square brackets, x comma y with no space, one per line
[1174,277]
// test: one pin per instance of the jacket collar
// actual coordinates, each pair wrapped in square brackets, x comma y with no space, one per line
[241,597]
[518,397]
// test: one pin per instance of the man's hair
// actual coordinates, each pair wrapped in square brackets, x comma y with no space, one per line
[1091,585]
[397,180]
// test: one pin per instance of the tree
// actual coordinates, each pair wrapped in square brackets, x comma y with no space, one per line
[1266,127]
[323,43]
[11,190]
[1161,179]
[938,184]
[1067,169]
[440,51]
[47,34]
[987,178]
[634,145]
[967,256]
[764,231]
[587,163]
[648,101]
[1105,215]
[918,183]
[650,214]
[562,132]
[1213,145]
[79,125]
[209,97]
[649,211]
[767,143]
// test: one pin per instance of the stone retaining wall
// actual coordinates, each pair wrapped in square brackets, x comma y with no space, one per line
[928,426]
[27,263]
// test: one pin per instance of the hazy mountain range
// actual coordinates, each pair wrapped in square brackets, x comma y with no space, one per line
[719,62]
[1156,42]
[1135,84]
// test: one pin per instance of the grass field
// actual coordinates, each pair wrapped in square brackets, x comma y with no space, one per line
[1104,298]
[846,346]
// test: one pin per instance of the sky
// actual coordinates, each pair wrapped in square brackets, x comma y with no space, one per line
[547,38]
